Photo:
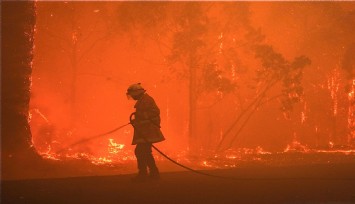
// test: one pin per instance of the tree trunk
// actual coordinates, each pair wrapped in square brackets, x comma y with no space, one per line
[193,139]
[18,20]
[73,85]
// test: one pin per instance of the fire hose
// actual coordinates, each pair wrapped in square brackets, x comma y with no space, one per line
[177,163]
[154,147]
[93,137]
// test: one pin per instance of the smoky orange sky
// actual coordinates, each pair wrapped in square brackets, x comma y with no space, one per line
[86,54]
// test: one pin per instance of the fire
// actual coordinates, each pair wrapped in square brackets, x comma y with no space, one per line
[220,38]
[101,160]
[115,154]
[296,146]
[351,113]
[333,86]
[303,117]
[82,61]
[206,164]
[331,145]
[113,147]
[36,110]
[49,155]
[303,113]
[295,150]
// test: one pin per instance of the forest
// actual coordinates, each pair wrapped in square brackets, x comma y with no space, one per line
[230,78]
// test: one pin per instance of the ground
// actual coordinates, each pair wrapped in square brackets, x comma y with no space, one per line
[315,183]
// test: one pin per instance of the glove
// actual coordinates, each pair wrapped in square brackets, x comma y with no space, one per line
[133,122]
[132,119]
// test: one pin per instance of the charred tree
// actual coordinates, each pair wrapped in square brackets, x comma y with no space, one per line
[18,20]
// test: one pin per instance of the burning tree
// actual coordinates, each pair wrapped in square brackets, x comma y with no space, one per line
[209,52]
[335,39]
[323,31]
[274,69]
[184,30]
[194,46]
[211,49]
[351,114]
[349,67]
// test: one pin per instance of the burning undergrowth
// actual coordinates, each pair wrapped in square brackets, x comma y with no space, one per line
[118,155]
[226,92]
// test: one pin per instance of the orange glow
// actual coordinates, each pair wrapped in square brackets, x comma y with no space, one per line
[202,70]
[296,146]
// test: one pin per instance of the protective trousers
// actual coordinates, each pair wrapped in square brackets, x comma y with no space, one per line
[145,159]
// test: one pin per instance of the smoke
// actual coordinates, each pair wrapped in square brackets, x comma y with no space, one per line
[87,54]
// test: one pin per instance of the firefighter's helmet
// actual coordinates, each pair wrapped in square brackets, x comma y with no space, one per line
[135,90]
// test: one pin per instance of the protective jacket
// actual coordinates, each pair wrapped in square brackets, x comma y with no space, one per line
[146,121]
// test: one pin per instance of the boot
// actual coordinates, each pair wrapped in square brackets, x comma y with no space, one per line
[154,174]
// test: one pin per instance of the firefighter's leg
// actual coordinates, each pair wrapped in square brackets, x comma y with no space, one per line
[141,159]
[153,170]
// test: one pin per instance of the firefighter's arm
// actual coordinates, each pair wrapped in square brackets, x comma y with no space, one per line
[154,119]
[135,122]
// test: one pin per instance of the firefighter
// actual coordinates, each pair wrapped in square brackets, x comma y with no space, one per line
[146,124]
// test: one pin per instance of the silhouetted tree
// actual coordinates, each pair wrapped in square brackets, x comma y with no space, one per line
[185,30]
[275,69]
[74,37]
[205,51]
[349,67]
[17,24]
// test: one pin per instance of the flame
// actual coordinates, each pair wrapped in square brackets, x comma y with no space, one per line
[113,151]
[75,36]
[49,155]
[36,110]
[303,117]
[235,157]
[206,164]
[117,153]
[101,160]
[333,86]
[303,113]
[220,38]
[296,146]
[233,72]
[351,113]
[113,147]
[230,159]
[331,144]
